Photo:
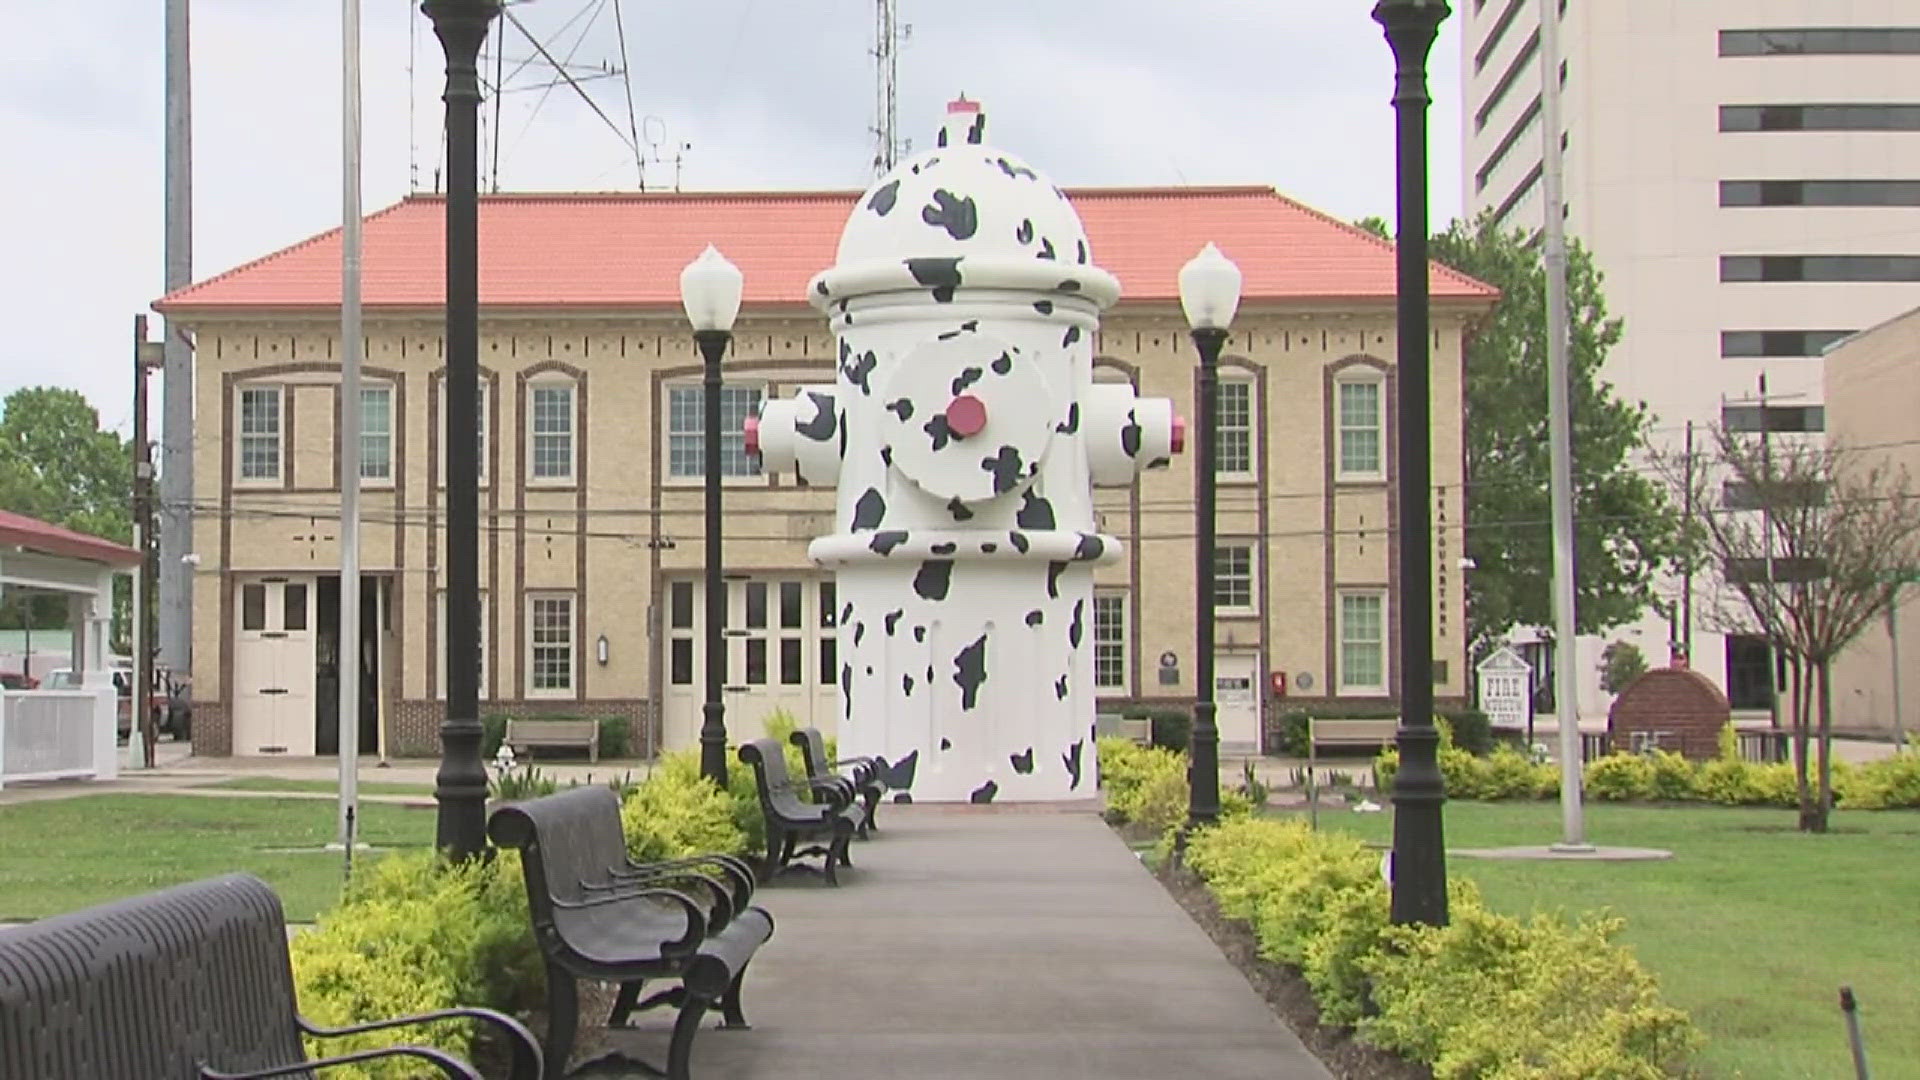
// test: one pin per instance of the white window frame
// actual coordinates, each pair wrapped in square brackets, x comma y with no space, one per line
[535,387]
[440,651]
[1220,549]
[484,398]
[1340,428]
[371,437]
[755,473]
[1251,426]
[534,645]
[278,435]
[1117,600]
[1341,684]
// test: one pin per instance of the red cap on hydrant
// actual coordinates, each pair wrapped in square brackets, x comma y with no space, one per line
[966,415]
[751,429]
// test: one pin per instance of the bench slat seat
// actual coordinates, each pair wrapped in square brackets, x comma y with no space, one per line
[554,735]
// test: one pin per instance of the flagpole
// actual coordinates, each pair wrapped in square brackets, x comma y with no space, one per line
[348,651]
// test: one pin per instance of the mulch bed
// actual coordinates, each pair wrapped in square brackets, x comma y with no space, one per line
[1285,990]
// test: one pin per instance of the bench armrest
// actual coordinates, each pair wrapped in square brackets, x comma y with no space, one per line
[448,1065]
[838,789]
[735,869]
[527,1063]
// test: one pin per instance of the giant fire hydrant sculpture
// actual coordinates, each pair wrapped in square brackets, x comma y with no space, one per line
[966,433]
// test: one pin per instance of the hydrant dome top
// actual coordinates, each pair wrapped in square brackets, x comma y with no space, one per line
[963,214]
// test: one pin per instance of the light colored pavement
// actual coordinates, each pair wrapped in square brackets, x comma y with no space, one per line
[990,942]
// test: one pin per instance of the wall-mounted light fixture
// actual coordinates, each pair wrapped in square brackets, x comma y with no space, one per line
[601,650]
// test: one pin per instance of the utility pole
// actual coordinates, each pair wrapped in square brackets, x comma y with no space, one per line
[144,359]
[1560,435]
[1686,579]
[351,343]
[176,385]
[886,48]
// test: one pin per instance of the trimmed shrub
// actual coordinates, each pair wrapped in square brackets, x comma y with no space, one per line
[1883,784]
[1620,777]
[1172,730]
[676,813]
[1671,777]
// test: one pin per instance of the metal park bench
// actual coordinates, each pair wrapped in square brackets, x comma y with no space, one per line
[1337,732]
[865,776]
[835,819]
[189,983]
[598,915]
[554,735]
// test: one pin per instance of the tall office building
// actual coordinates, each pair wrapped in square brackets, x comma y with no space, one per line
[1747,174]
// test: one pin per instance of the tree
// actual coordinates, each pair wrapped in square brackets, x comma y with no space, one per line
[57,465]
[1627,533]
[1810,542]
[1621,662]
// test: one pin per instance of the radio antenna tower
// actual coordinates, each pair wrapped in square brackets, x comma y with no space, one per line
[888,35]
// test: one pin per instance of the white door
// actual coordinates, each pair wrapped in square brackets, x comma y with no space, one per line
[273,666]
[780,654]
[1236,697]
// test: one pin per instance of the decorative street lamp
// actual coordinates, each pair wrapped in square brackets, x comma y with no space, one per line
[460,786]
[1419,868]
[1209,294]
[710,291]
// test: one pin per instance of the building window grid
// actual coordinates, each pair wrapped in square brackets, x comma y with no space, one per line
[1822,41]
[1361,426]
[376,433]
[1778,343]
[686,431]
[1844,116]
[550,669]
[1745,193]
[1233,422]
[260,430]
[1233,577]
[1363,641]
[552,432]
[1109,641]
[1819,268]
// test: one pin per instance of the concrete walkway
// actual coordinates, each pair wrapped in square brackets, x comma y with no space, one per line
[1003,942]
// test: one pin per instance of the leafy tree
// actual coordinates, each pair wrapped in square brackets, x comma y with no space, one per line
[57,465]
[1621,662]
[1627,531]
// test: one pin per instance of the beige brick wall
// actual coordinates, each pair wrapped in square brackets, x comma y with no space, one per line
[610,543]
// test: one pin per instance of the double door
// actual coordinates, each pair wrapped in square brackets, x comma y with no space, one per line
[780,654]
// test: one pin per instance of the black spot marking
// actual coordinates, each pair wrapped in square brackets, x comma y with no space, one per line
[826,418]
[906,685]
[1054,570]
[977,130]
[869,669]
[1015,172]
[846,686]
[1035,513]
[946,547]
[1074,628]
[892,619]
[1089,548]
[1022,762]
[870,510]
[902,408]
[843,440]
[1036,617]
[989,548]
[1003,365]
[1024,233]
[942,275]
[1019,542]
[951,212]
[883,199]
[1071,759]
[1006,468]
[859,634]
[859,368]
[1081,256]
[959,509]
[1068,285]
[1130,435]
[883,543]
[846,613]
[920,633]
[886,454]
[967,377]
[929,674]
[970,672]
[1072,335]
[1072,422]
[901,798]
[1044,307]
[984,793]
[937,430]
[900,773]
[1060,688]
[931,582]
[846,350]
[1046,249]
[946,744]
[821,287]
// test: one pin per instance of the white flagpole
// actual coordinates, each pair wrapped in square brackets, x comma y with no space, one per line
[348,652]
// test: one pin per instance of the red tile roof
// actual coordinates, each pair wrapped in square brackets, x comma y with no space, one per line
[626,250]
[19,530]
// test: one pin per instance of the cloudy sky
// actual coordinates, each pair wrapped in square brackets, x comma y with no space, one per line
[768,93]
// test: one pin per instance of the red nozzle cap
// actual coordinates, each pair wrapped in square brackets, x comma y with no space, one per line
[966,416]
[1179,434]
[751,429]
[962,105]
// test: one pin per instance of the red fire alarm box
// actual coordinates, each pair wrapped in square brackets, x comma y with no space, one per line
[1277,680]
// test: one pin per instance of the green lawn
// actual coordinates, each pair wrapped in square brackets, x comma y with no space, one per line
[274,783]
[64,854]
[1752,927]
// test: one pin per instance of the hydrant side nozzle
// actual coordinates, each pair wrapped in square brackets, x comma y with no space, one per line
[1179,434]
[751,433]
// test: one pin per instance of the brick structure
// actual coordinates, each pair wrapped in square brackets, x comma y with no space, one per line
[1682,704]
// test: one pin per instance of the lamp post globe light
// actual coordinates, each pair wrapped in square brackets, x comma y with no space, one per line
[1209,294]
[1419,868]
[710,289]
[460,786]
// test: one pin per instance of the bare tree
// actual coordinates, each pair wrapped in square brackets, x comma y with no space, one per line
[1813,540]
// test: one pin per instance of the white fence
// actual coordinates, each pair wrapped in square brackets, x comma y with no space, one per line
[54,734]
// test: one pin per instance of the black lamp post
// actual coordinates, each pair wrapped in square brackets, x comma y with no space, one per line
[710,292]
[460,786]
[1209,294]
[1419,846]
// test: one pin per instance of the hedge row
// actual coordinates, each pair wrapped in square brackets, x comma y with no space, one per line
[1487,996]
[1891,782]
[1147,785]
